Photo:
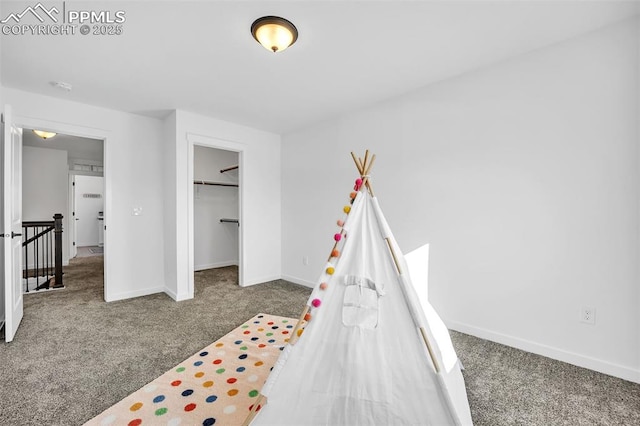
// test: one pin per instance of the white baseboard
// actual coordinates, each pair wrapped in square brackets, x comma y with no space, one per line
[135,293]
[598,365]
[215,265]
[176,297]
[300,281]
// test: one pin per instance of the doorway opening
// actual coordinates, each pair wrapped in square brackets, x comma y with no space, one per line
[64,175]
[216,212]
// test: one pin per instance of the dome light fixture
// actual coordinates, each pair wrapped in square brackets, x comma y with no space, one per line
[274,33]
[44,135]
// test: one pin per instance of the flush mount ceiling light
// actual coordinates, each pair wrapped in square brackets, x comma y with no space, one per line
[44,135]
[274,33]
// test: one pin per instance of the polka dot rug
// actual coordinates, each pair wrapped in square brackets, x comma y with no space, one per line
[218,385]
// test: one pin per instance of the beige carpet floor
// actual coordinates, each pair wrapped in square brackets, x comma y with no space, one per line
[75,355]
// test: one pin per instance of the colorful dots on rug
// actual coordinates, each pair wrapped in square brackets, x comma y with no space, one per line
[204,353]
[258,364]
[136,406]
[211,398]
[207,384]
[219,345]
[197,363]
[243,356]
[209,422]
[198,374]
[229,409]
[180,369]
[237,342]
[252,378]
[217,361]
[150,388]
[243,348]
[220,370]
[161,411]
[232,392]
[158,399]
[135,422]
[176,383]
[240,369]
[231,380]
[247,332]
[108,420]
[187,392]
[190,407]
[253,393]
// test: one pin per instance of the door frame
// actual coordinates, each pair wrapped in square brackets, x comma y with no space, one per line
[73,249]
[83,132]
[227,145]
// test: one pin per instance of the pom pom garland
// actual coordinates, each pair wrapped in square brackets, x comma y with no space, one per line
[335,253]
[323,286]
[352,195]
[346,209]
[337,237]
[358,184]
[316,303]
[307,316]
[340,223]
[330,270]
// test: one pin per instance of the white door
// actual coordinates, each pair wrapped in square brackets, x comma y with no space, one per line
[11,148]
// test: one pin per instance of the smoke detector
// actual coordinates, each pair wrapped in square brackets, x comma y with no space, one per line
[62,85]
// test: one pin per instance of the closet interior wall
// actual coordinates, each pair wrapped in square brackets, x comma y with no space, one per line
[215,242]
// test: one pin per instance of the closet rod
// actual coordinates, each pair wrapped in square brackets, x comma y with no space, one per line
[228,169]
[225,220]
[204,182]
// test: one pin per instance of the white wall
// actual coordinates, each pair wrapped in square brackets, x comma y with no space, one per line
[260,195]
[87,209]
[524,179]
[215,243]
[45,189]
[134,256]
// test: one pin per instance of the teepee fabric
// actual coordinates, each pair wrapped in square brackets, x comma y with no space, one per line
[362,359]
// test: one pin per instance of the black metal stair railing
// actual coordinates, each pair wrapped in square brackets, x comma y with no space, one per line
[42,242]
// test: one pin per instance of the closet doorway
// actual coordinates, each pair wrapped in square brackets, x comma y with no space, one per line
[216,211]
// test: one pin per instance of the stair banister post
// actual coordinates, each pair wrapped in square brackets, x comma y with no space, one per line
[58,248]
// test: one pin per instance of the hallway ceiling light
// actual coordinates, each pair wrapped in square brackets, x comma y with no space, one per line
[274,33]
[44,135]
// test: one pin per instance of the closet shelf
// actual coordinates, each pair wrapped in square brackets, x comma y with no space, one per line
[204,182]
[226,220]
[229,169]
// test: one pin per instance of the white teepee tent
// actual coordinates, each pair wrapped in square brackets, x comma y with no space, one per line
[370,354]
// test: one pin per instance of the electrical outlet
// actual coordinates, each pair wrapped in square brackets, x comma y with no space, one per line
[588,315]
[305,260]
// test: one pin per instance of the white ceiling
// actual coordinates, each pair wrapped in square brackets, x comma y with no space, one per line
[77,147]
[200,56]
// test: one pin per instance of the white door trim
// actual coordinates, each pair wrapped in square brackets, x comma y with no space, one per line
[85,132]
